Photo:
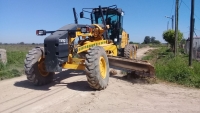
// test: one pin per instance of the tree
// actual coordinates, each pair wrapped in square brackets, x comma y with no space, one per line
[131,42]
[22,43]
[147,40]
[183,41]
[169,36]
[156,42]
[153,39]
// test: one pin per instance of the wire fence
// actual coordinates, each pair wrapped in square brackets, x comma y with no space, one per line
[195,48]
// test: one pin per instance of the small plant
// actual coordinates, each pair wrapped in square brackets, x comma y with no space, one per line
[2,66]
[9,73]
[149,57]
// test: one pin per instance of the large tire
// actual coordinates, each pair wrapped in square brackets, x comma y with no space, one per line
[129,52]
[38,76]
[135,51]
[96,61]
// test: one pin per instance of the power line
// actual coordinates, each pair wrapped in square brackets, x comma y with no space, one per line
[195,33]
[186,5]
[180,5]
[172,6]
[197,29]
[186,32]
[189,9]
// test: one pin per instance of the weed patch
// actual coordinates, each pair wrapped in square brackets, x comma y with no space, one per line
[175,69]
[14,66]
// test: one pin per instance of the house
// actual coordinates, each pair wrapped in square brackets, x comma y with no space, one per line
[195,48]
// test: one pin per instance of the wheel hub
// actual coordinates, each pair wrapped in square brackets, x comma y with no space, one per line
[131,54]
[102,65]
[41,67]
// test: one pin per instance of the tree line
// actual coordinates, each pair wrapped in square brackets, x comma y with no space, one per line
[147,40]
[168,36]
[20,43]
[150,40]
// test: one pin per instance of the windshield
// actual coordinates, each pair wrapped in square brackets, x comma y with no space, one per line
[112,18]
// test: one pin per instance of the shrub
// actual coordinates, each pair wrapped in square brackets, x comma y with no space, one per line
[177,70]
[169,36]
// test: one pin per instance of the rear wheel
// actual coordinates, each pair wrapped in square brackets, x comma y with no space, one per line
[129,52]
[35,68]
[97,68]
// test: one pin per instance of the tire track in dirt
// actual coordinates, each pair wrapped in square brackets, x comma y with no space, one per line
[33,98]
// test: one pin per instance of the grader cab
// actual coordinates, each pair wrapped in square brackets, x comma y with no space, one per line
[93,48]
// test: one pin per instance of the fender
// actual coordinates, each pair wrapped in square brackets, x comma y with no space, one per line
[56,47]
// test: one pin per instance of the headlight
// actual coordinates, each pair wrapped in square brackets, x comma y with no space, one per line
[84,30]
[40,32]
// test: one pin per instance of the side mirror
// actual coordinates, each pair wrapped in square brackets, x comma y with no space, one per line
[81,14]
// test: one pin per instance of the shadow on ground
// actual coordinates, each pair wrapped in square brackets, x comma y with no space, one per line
[77,85]
[80,86]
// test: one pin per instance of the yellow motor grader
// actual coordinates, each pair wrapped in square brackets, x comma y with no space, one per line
[93,48]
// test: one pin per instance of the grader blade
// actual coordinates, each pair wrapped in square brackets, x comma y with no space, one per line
[139,66]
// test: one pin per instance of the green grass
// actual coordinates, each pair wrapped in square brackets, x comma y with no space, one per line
[175,69]
[151,45]
[15,60]
[149,57]
[14,66]
[17,47]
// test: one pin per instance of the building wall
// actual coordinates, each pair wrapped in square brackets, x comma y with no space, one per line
[196,48]
[3,56]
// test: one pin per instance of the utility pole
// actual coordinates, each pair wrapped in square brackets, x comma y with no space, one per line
[172,18]
[167,25]
[176,28]
[191,32]
[172,22]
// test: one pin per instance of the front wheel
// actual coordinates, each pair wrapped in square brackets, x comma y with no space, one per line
[97,68]
[35,69]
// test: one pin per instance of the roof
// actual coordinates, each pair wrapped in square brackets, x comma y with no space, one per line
[193,38]
[119,10]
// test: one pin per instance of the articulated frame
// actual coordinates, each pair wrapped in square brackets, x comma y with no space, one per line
[96,39]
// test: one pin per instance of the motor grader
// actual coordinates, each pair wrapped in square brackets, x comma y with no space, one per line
[93,48]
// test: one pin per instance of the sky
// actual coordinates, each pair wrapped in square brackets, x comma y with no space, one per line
[19,19]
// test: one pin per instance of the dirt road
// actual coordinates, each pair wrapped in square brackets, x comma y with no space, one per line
[70,93]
